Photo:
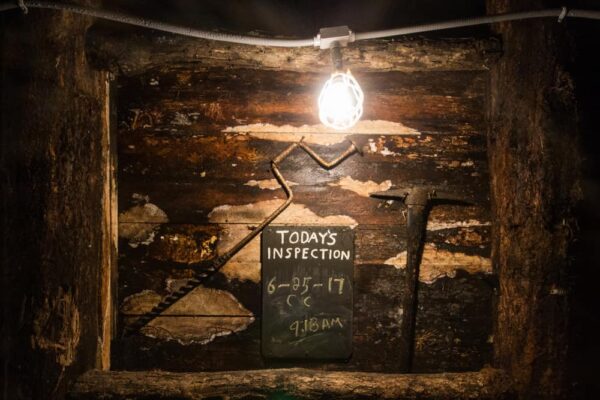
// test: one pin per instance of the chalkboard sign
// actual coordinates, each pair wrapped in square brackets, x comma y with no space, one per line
[307,284]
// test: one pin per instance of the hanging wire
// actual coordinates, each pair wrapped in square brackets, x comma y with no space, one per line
[559,13]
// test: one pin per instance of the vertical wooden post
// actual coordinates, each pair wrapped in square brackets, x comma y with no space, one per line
[534,165]
[53,126]
[108,279]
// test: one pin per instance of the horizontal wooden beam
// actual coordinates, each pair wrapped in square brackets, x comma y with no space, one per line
[131,53]
[300,383]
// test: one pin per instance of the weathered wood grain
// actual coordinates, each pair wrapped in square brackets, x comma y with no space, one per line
[452,333]
[55,236]
[533,146]
[131,52]
[184,101]
[186,148]
[486,384]
[174,247]
[452,329]
[186,203]
[241,157]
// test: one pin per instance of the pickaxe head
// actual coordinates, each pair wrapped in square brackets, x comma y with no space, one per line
[422,195]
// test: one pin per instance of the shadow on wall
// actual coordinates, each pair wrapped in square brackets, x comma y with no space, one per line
[585,320]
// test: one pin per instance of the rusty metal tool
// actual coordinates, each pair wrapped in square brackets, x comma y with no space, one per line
[418,201]
[205,270]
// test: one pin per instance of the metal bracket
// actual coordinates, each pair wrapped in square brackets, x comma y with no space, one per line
[335,36]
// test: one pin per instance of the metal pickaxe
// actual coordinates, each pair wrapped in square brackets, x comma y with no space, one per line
[418,201]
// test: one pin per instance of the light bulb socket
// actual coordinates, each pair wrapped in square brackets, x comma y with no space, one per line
[336,58]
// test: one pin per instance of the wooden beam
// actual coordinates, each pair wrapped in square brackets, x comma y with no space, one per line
[52,162]
[534,135]
[302,383]
[132,53]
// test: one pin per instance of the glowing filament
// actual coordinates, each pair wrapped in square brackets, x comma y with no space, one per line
[341,101]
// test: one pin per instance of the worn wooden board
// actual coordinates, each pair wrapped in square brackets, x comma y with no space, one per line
[181,101]
[297,383]
[134,51]
[452,330]
[194,153]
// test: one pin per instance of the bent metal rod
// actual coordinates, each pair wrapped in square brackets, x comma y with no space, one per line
[206,269]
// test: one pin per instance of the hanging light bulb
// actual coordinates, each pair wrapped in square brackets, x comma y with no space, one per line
[341,99]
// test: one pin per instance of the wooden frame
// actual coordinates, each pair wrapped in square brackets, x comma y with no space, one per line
[485,384]
[127,55]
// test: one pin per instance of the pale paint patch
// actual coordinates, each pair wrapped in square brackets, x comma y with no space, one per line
[439,225]
[245,265]
[188,328]
[362,188]
[379,147]
[437,263]
[269,184]
[138,224]
[320,134]
[295,214]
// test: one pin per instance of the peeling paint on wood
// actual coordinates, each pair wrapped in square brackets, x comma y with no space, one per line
[213,177]
[320,134]
[138,224]
[378,146]
[435,225]
[189,320]
[269,184]
[233,219]
[362,188]
[438,263]
[296,213]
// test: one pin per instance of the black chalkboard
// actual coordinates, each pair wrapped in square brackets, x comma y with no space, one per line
[307,285]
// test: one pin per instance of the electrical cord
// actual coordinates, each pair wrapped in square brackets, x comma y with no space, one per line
[161,26]
[559,13]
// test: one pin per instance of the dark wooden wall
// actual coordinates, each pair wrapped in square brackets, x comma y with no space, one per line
[54,157]
[535,167]
[190,161]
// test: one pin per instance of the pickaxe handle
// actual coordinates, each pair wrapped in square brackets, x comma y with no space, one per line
[416,223]
[417,200]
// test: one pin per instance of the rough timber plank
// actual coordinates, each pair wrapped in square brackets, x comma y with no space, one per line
[188,150]
[536,185]
[184,101]
[453,324]
[296,383]
[145,156]
[131,52]
[53,140]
